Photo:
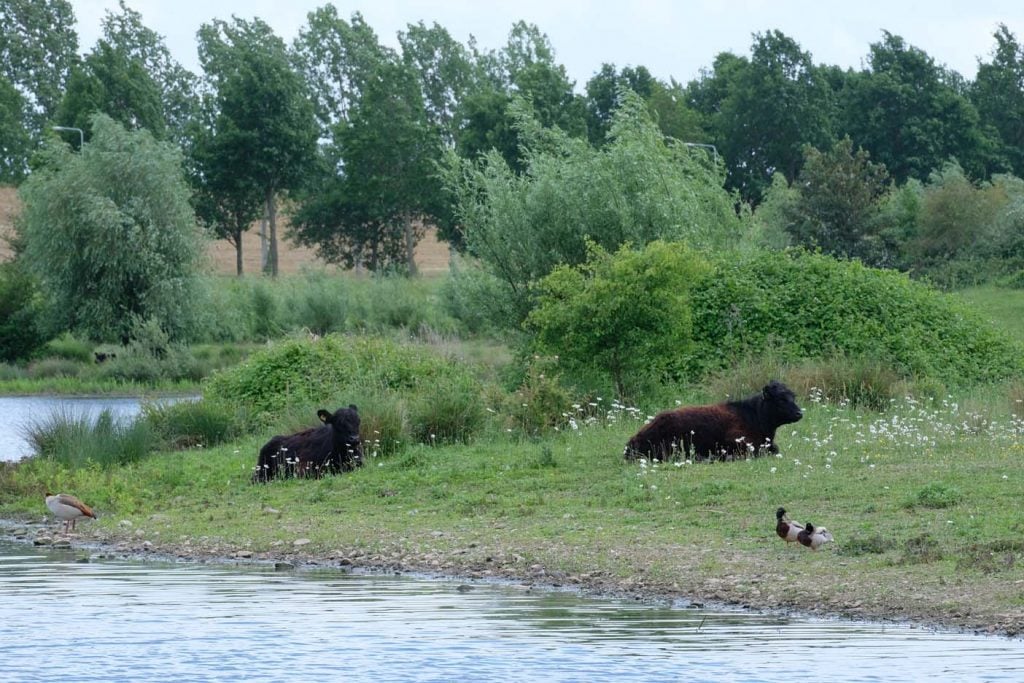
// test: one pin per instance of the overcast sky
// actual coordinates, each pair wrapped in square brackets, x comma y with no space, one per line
[672,38]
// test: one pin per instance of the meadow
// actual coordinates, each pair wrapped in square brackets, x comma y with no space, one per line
[920,492]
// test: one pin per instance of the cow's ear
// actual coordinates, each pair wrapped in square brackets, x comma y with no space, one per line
[352,406]
[324,416]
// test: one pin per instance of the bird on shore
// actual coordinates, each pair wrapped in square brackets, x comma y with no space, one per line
[68,508]
[786,528]
[814,537]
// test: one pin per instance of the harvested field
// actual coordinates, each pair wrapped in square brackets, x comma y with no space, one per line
[431,254]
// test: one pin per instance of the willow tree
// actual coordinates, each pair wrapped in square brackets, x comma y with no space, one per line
[111,237]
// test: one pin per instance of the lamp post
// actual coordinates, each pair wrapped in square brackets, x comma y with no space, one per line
[713,149]
[81,135]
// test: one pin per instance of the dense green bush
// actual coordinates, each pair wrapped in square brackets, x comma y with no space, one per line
[68,347]
[626,314]
[341,370]
[20,310]
[805,305]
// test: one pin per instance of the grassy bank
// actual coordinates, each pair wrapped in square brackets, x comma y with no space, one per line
[923,501]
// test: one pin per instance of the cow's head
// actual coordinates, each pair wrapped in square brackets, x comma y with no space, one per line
[780,403]
[344,424]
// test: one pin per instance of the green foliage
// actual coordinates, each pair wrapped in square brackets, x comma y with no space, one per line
[626,314]
[540,404]
[770,107]
[811,306]
[188,424]
[837,203]
[110,235]
[451,412]
[910,113]
[15,144]
[334,369]
[21,333]
[68,347]
[936,496]
[637,188]
[75,440]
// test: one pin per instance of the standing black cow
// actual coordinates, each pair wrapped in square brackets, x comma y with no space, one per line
[722,430]
[330,448]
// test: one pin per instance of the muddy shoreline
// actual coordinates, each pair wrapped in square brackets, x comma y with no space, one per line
[731,591]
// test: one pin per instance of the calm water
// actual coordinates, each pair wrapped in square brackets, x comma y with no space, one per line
[123,621]
[18,411]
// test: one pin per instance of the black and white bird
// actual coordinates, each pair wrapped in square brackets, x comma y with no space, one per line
[814,537]
[786,528]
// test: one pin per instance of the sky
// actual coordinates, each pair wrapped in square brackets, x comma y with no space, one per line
[672,38]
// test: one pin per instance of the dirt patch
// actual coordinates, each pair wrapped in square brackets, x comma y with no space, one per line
[783,579]
[431,254]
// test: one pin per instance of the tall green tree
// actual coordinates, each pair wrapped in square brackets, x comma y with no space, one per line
[15,144]
[336,57]
[837,205]
[370,209]
[111,81]
[906,110]
[111,237]
[998,94]
[38,47]
[444,69]
[525,68]
[178,87]
[265,121]
[771,107]
[638,188]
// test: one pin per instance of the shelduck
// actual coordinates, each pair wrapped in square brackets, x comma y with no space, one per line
[68,508]
[786,528]
[814,537]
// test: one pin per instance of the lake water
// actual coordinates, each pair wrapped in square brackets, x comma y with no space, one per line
[107,620]
[18,411]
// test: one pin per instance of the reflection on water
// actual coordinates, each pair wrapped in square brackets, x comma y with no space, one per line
[121,621]
[17,412]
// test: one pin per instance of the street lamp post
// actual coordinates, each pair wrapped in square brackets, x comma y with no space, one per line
[81,135]
[713,149]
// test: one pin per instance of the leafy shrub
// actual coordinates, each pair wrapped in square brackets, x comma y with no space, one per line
[808,306]
[54,367]
[626,314]
[479,301]
[450,412]
[936,496]
[68,347]
[541,403]
[344,368]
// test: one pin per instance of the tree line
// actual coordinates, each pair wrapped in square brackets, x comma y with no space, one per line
[351,134]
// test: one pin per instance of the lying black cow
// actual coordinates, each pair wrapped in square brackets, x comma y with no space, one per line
[723,430]
[330,448]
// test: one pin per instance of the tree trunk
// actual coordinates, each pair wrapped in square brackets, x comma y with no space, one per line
[272,221]
[238,250]
[410,247]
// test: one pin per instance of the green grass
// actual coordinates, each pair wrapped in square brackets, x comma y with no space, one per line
[884,481]
[1002,306]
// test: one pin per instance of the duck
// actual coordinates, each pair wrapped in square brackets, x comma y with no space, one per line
[785,528]
[67,507]
[814,537]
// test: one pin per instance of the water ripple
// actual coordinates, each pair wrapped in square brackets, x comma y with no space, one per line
[118,621]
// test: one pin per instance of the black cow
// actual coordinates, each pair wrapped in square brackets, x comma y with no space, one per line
[723,430]
[330,448]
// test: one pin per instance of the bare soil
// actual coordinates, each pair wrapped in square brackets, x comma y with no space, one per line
[431,254]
